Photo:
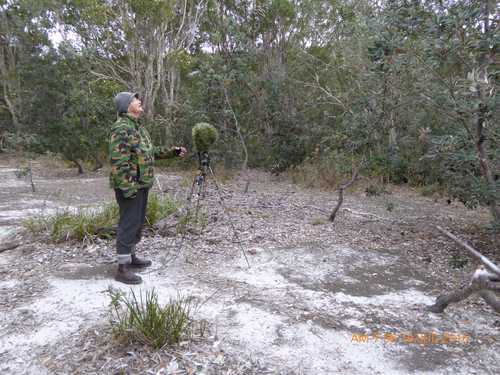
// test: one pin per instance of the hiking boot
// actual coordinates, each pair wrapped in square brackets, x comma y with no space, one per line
[126,276]
[138,262]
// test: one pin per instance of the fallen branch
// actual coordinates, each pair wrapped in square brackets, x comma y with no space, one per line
[341,194]
[488,263]
[359,213]
[485,281]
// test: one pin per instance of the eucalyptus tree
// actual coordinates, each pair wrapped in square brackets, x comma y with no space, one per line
[24,27]
[136,43]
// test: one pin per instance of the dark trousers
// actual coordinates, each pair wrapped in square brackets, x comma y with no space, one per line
[132,216]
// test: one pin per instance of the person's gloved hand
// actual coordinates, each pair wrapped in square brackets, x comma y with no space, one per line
[180,151]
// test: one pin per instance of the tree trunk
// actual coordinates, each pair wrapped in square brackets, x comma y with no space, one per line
[482,93]
[484,162]
[12,109]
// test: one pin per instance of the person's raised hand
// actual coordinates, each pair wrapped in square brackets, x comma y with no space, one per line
[180,151]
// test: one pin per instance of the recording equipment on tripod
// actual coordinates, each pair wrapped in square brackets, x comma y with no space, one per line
[204,136]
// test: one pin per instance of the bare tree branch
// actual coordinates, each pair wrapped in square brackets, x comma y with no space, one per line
[488,263]
[341,194]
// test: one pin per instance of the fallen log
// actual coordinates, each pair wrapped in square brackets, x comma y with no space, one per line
[485,282]
[488,263]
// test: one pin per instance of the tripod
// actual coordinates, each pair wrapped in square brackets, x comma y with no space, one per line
[199,189]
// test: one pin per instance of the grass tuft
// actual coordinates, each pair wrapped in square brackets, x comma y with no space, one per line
[141,318]
[86,224]
[159,208]
[319,221]
[81,225]
[375,190]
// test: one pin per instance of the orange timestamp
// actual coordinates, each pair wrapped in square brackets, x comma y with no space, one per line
[424,338]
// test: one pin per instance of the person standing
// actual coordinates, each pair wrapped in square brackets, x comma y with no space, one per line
[132,155]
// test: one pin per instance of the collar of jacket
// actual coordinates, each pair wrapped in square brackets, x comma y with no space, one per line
[132,119]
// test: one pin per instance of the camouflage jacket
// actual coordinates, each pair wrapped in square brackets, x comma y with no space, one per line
[132,155]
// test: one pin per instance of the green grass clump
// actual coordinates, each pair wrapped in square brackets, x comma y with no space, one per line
[86,224]
[429,190]
[375,190]
[159,208]
[319,221]
[80,225]
[142,319]
[457,261]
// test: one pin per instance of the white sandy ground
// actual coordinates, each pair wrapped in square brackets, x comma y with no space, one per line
[281,312]
[255,331]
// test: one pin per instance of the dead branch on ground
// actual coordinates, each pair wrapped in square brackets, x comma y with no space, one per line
[485,281]
[341,189]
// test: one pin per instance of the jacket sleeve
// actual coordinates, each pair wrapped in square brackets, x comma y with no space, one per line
[162,152]
[123,170]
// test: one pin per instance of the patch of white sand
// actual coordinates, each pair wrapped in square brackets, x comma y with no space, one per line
[16,183]
[25,212]
[254,328]
[260,276]
[6,232]
[318,351]
[401,298]
[8,284]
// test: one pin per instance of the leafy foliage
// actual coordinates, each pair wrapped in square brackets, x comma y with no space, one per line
[410,87]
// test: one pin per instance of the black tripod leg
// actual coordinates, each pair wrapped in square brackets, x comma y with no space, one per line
[192,189]
[178,248]
[221,202]
[201,195]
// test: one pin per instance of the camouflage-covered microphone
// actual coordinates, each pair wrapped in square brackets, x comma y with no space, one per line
[204,136]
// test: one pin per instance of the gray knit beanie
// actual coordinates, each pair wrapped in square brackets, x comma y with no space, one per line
[123,99]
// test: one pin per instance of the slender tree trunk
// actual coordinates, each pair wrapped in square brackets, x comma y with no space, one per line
[485,164]
[12,110]
[238,130]
[480,124]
